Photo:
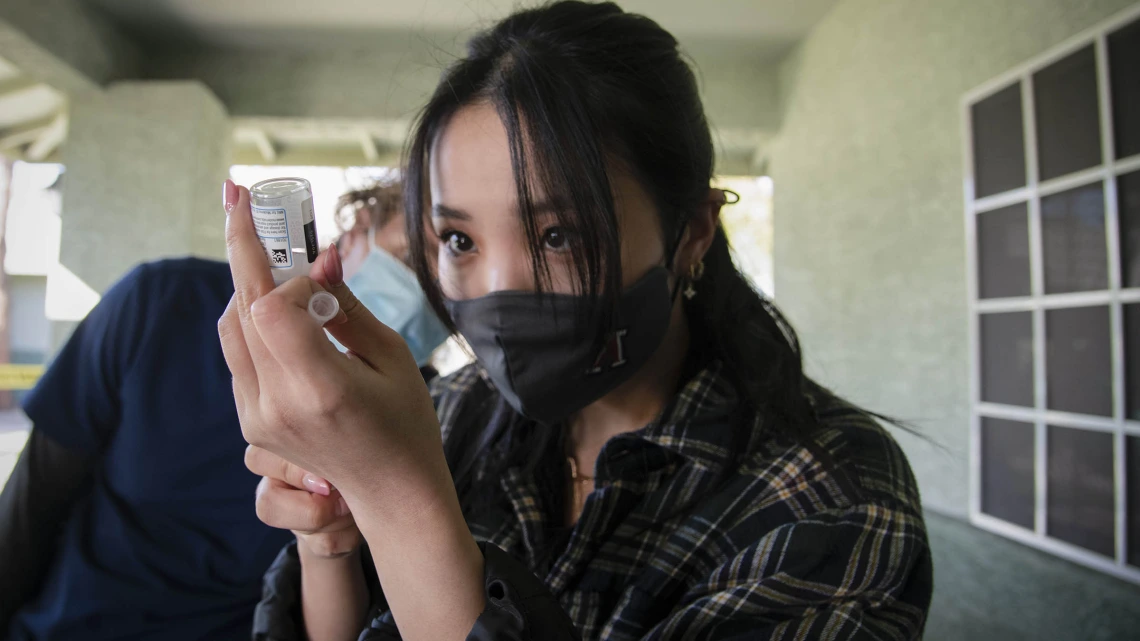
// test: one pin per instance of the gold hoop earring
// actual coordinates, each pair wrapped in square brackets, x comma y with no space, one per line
[696,272]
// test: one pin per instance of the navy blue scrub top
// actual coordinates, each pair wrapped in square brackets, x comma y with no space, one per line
[166,544]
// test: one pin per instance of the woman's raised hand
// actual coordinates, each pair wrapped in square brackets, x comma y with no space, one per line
[359,420]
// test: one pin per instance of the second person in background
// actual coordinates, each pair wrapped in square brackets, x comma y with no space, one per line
[374,254]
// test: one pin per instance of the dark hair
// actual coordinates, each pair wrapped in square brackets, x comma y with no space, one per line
[580,86]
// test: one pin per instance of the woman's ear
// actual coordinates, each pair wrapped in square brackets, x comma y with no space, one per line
[700,231]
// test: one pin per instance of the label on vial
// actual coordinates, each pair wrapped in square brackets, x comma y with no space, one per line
[309,225]
[272,230]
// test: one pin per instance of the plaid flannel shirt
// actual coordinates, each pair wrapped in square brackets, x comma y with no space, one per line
[816,537]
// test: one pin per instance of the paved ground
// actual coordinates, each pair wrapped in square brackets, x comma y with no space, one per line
[988,587]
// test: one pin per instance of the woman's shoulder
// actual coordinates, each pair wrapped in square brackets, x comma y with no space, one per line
[855,448]
[844,476]
[846,458]
[833,504]
[838,510]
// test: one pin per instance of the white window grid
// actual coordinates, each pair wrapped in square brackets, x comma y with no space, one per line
[1115,297]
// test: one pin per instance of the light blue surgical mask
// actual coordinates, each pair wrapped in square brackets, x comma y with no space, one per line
[389,289]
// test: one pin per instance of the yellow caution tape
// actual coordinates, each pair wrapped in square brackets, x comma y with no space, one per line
[19,377]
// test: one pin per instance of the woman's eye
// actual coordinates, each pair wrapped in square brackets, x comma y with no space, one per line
[458,242]
[555,238]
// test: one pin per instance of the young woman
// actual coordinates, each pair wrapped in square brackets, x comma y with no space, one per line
[637,453]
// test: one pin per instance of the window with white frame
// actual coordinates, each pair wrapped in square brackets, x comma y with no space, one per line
[1053,232]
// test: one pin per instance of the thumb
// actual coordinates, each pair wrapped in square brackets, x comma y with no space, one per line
[356,327]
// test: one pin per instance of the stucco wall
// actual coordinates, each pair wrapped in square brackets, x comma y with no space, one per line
[869,232]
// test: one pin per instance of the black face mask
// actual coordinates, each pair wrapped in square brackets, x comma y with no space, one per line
[539,358]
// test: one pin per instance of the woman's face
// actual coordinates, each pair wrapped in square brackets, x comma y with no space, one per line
[483,245]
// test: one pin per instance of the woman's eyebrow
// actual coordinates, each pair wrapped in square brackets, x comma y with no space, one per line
[443,211]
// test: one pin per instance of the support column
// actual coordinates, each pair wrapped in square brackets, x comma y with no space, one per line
[144,165]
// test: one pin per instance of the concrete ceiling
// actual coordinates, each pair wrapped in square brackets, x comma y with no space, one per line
[719,34]
[288,24]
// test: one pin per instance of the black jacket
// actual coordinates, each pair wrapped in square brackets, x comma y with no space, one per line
[519,607]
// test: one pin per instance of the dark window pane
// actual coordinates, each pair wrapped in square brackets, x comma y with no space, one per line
[1003,252]
[1132,361]
[1132,478]
[1075,249]
[1128,200]
[1068,119]
[1123,63]
[1007,358]
[999,143]
[1078,360]
[1007,471]
[1081,507]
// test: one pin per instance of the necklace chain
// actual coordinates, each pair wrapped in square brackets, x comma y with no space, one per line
[574,475]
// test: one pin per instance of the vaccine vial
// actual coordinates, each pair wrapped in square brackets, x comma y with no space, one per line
[283,218]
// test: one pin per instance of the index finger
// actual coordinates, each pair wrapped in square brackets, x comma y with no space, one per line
[248,264]
[250,271]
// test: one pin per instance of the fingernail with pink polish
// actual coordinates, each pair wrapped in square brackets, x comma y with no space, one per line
[341,507]
[315,484]
[229,195]
[337,276]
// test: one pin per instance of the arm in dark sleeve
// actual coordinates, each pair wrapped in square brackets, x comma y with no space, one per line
[278,616]
[74,409]
[519,607]
[33,508]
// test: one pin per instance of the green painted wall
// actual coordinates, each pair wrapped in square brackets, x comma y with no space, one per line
[869,232]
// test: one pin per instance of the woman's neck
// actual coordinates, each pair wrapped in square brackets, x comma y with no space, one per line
[636,402]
